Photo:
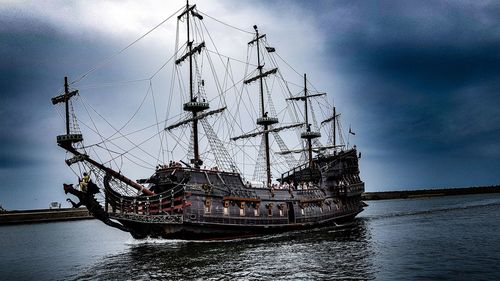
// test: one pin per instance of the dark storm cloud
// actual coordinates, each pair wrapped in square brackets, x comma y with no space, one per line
[432,69]
[420,60]
[35,57]
[422,77]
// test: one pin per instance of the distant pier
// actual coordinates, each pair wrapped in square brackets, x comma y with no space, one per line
[43,215]
[405,194]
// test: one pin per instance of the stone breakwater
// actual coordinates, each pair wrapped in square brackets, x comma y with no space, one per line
[429,192]
[43,215]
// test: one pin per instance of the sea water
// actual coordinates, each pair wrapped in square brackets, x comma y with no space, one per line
[441,238]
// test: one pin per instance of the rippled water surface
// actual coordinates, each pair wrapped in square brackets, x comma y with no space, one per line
[446,238]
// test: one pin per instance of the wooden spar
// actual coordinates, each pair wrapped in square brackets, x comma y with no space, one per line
[190,53]
[306,96]
[202,115]
[273,130]
[110,171]
[261,75]
[315,149]
[256,39]
[335,115]
[188,9]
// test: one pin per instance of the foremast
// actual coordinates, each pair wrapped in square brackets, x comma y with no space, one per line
[72,137]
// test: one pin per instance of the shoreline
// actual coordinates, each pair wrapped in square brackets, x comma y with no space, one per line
[424,193]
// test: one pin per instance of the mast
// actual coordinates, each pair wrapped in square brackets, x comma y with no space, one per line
[70,137]
[66,142]
[195,121]
[194,106]
[334,130]
[264,114]
[309,142]
[308,135]
[265,121]
[66,91]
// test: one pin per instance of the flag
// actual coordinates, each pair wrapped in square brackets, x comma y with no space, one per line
[270,49]
[196,15]
[351,132]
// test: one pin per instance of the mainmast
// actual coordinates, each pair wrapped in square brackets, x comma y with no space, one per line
[194,106]
[195,121]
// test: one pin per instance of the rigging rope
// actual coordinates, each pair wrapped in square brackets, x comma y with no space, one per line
[226,24]
[122,50]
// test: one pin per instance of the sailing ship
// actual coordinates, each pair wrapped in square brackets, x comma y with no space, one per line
[208,191]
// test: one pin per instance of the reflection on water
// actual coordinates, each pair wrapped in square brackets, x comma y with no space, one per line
[328,253]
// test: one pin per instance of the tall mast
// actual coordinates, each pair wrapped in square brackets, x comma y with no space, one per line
[309,142]
[334,129]
[196,159]
[265,121]
[264,114]
[193,105]
[308,135]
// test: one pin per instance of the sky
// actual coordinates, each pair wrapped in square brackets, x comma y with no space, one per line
[416,80]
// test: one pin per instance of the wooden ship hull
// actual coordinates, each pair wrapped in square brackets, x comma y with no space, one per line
[207,204]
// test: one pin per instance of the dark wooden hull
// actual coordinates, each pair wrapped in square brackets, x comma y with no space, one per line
[211,204]
[213,231]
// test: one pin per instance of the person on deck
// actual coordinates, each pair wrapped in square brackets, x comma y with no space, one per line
[84,182]
[285,185]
